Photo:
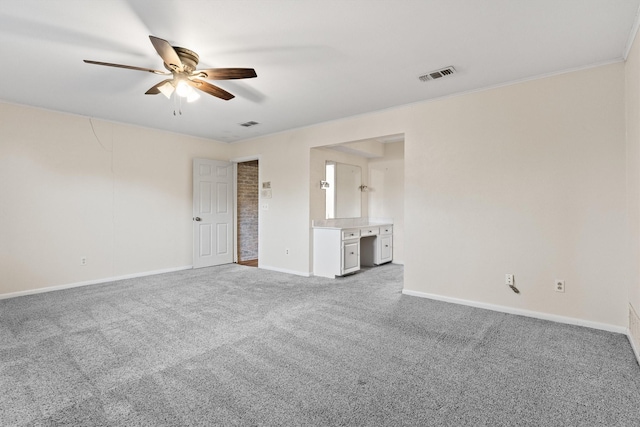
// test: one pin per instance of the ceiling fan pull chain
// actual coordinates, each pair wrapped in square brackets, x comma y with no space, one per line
[177,106]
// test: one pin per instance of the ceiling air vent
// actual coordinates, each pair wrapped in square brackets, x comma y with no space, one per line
[433,75]
[249,124]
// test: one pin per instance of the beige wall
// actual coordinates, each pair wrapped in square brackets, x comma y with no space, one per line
[285,224]
[120,197]
[632,80]
[526,179]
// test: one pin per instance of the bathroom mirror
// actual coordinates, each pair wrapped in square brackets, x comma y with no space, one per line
[343,194]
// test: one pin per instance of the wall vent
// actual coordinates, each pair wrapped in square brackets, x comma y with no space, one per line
[249,124]
[433,75]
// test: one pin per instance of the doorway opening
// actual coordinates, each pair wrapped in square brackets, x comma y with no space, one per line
[247,212]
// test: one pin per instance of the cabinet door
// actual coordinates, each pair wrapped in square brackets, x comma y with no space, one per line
[350,257]
[385,250]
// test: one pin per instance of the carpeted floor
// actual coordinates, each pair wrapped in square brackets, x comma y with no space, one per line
[236,345]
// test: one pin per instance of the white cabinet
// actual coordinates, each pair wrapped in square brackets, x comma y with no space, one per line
[336,252]
[340,251]
[370,231]
[383,248]
[350,256]
[352,233]
[377,249]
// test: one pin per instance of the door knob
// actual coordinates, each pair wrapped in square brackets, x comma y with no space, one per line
[198,218]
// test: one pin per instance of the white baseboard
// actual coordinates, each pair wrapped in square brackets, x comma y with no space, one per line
[521,312]
[284,270]
[634,331]
[92,282]
[636,350]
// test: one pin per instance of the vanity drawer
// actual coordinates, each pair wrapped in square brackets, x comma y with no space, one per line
[350,234]
[387,229]
[370,231]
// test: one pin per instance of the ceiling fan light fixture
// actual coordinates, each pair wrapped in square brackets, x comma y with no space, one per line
[193,95]
[183,89]
[167,89]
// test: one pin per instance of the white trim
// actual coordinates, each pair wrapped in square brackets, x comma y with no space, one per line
[234,166]
[632,35]
[284,270]
[636,350]
[245,159]
[521,312]
[92,282]
[632,315]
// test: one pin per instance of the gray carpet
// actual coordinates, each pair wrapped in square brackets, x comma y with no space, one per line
[235,345]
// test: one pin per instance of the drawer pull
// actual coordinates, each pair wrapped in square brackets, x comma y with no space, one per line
[350,253]
[386,246]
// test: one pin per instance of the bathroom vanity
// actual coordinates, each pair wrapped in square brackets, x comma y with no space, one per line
[342,246]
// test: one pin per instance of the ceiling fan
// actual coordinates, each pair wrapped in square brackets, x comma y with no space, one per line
[181,64]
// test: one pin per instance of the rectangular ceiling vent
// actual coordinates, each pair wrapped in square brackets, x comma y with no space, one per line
[249,124]
[433,75]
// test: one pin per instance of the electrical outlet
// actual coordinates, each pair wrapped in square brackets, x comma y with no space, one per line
[559,285]
[286,251]
[83,260]
[508,279]
[265,206]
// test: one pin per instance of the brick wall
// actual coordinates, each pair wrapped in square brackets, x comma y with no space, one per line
[248,211]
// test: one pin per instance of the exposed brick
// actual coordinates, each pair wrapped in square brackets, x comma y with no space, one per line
[248,210]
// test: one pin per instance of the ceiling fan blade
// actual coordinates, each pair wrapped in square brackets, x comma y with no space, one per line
[167,53]
[128,67]
[226,73]
[210,89]
[155,89]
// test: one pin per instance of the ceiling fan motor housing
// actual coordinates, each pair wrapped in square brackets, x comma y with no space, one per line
[188,57]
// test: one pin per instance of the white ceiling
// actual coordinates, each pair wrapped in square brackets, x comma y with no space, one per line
[316,60]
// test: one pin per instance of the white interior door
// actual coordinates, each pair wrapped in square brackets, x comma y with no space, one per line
[212,213]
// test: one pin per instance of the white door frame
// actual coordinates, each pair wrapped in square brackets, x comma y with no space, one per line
[234,163]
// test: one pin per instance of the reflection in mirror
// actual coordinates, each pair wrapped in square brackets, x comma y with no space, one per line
[343,197]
